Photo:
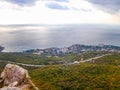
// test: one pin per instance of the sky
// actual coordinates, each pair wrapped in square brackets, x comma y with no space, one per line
[59,12]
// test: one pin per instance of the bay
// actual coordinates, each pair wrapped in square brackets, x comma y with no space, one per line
[19,38]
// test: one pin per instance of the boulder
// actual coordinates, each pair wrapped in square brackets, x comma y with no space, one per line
[11,88]
[15,77]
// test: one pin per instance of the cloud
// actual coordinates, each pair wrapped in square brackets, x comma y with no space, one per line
[111,6]
[56,6]
[61,0]
[22,2]
[82,9]
[53,12]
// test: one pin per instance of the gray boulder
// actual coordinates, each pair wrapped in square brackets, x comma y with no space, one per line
[10,88]
[15,77]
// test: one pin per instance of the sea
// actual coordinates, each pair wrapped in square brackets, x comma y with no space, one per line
[18,38]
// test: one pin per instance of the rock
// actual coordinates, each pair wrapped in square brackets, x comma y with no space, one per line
[15,77]
[10,88]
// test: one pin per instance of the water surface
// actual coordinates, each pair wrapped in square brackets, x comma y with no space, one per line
[20,38]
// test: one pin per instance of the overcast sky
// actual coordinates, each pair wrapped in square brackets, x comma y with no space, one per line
[59,12]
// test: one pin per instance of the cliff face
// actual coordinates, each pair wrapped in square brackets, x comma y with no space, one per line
[15,77]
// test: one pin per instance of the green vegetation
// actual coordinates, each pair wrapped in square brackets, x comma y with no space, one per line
[28,58]
[113,59]
[102,74]
[77,77]
[91,54]
[37,59]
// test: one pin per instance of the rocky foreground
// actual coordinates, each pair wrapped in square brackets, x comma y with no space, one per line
[15,77]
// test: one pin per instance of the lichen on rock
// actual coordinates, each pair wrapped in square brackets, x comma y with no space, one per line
[15,77]
[11,88]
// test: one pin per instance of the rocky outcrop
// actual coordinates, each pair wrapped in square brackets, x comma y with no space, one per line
[10,88]
[15,77]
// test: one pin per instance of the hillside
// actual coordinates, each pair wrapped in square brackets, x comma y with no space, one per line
[86,76]
[28,58]
[100,74]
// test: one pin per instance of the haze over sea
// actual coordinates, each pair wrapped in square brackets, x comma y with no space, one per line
[17,38]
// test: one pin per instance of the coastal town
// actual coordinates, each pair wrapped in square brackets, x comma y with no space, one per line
[75,49]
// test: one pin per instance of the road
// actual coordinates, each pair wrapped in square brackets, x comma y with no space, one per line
[75,62]
[94,58]
[31,65]
[90,59]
